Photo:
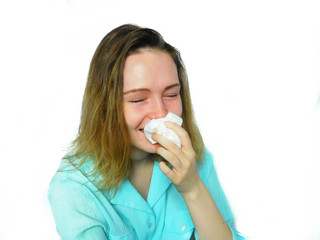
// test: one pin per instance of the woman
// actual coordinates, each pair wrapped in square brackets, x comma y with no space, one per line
[116,184]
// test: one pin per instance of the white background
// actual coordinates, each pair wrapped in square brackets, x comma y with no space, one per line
[254,69]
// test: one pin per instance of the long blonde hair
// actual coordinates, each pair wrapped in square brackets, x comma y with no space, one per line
[103,133]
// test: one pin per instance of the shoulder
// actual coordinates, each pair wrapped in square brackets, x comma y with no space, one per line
[72,181]
[76,203]
[74,169]
[68,185]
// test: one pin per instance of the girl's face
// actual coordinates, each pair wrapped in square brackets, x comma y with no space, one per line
[151,89]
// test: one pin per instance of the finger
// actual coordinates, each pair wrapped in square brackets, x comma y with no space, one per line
[187,148]
[166,143]
[170,157]
[182,134]
[172,148]
[167,171]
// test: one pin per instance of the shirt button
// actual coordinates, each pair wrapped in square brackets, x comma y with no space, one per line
[183,228]
[150,225]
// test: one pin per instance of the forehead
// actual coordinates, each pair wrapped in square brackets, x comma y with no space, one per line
[149,68]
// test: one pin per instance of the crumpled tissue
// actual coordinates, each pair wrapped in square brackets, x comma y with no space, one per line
[158,126]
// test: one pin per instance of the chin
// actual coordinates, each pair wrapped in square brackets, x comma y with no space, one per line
[154,148]
[143,150]
[150,148]
[141,143]
[147,147]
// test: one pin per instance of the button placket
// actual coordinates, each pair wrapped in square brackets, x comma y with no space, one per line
[151,223]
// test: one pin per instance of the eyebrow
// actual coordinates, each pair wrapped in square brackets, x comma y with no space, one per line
[148,90]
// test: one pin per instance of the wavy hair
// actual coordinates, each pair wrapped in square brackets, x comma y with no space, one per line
[103,134]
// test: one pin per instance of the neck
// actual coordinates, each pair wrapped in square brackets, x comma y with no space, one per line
[140,177]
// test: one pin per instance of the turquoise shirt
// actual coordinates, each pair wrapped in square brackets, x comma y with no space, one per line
[82,211]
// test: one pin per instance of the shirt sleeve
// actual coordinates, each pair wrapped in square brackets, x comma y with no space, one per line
[218,195]
[75,212]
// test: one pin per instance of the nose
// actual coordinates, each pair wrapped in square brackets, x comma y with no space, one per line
[158,109]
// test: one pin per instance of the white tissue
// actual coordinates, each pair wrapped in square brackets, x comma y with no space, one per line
[158,126]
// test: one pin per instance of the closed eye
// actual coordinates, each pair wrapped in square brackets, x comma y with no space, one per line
[137,100]
[171,95]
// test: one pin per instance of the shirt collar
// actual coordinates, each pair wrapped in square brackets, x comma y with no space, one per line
[128,196]
[158,186]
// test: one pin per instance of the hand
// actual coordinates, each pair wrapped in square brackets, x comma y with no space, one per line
[184,174]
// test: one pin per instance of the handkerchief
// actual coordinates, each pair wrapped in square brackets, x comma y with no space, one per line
[158,126]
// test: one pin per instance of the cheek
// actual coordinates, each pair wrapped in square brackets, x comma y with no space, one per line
[175,107]
[132,115]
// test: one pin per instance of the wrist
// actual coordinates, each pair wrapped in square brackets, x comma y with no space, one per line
[196,192]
